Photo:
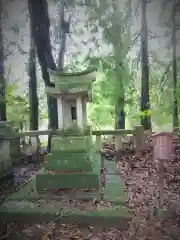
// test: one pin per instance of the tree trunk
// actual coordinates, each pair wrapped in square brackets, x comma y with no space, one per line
[121,119]
[33,97]
[145,103]
[3,114]
[174,68]
[120,102]
[39,16]
[120,113]
[63,30]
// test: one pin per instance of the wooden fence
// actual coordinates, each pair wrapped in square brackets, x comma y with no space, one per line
[137,135]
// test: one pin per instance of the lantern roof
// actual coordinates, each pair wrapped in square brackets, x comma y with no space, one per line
[71,74]
[71,83]
[68,81]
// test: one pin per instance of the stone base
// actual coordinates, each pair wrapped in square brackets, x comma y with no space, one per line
[73,176]
[72,180]
[113,190]
[65,161]
[27,205]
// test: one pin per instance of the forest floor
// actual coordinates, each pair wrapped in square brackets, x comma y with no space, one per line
[139,172]
[22,173]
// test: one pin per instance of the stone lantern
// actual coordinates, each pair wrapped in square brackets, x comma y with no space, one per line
[73,91]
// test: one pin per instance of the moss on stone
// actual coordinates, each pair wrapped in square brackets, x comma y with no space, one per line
[71,143]
[65,161]
[71,180]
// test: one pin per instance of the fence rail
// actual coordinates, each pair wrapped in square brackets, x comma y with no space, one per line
[118,134]
[119,137]
[60,133]
[13,140]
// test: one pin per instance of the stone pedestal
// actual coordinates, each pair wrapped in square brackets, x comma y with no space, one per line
[71,165]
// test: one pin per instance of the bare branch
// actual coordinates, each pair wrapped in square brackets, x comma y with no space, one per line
[163,81]
[23,52]
[137,8]
[165,73]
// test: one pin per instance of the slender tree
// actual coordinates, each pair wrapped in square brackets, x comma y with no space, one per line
[39,16]
[33,96]
[120,61]
[145,102]
[3,115]
[174,67]
[63,31]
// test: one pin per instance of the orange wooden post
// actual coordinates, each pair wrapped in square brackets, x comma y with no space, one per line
[162,143]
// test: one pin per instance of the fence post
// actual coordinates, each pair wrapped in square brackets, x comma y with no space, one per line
[15,151]
[119,143]
[139,137]
[98,143]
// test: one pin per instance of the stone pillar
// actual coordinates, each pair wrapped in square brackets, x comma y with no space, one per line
[119,144]
[60,112]
[84,113]
[79,108]
[139,137]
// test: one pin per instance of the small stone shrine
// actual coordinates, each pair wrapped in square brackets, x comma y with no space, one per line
[73,91]
[73,163]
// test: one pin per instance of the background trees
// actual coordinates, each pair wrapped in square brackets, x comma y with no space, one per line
[78,35]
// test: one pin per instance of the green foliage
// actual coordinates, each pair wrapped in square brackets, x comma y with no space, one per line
[101,112]
[118,76]
[17,105]
[115,81]
[160,88]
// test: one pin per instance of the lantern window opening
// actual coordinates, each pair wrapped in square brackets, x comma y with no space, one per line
[73,113]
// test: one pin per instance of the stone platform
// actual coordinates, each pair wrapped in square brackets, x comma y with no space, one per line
[28,205]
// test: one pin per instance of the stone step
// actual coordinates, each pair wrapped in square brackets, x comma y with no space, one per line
[29,192]
[68,161]
[36,212]
[72,180]
[69,196]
